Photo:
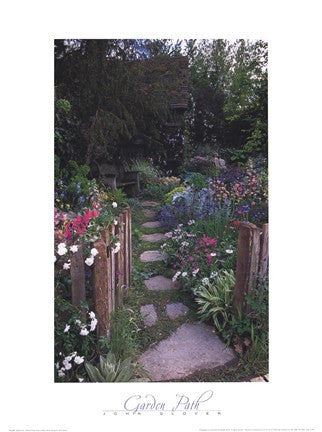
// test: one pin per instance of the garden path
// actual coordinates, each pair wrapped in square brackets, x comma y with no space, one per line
[191,347]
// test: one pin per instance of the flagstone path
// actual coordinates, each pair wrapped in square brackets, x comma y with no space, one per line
[192,347]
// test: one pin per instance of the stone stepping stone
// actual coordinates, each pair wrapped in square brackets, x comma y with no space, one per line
[150,203]
[152,224]
[149,213]
[191,348]
[176,310]
[153,255]
[153,237]
[149,315]
[160,283]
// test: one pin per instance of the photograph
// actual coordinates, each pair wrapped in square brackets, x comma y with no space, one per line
[161,234]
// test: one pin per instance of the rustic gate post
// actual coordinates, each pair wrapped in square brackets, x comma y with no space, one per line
[263,258]
[247,263]
[130,245]
[107,234]
[77,273]
[120,260]
[101,287]
[127,247]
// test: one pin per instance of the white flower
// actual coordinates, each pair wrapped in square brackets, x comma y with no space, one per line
[66,364]
[114,204]
[68,358]
[205,281]
[117,247]
[229,251]
[94,252]
[115,222]
[55,259]
[89,261]
[176,276]
[74,248]
[213,274]
[57,365]
[66,266]
[61,373]
[78,322]
[80,379]
[184,243]
[62,249]
[84,331]
[91,314]
[169,234]
[191,222]
[93,324]
[67,328]
[195,272]
[78,359]
[184,274]
[213,254]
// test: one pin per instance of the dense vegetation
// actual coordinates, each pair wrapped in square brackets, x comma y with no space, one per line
[112,101]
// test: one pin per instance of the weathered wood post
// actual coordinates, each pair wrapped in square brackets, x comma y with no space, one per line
[127,241]
[77,273]
[263,258]
[108,234]
[120,260]
[247,263]
[130,246]
[101,287]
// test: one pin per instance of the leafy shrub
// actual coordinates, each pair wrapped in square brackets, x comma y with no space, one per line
[171,195]
[148,172]
[215,299]
[119,196]
[169,181]
[72,188]
[156,191]
[190,204]
[196,180]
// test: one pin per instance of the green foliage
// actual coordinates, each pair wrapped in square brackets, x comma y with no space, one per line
[215,299]
[111,370]
[72,185]
[119,101]
[67,342]
[63,106]
[123,339]
[148,172]
[156,191]
[214,226]
[197,180]
[119,196]
[229,89]
[169,196]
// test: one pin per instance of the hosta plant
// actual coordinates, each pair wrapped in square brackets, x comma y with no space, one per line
[215,298]
[112,370]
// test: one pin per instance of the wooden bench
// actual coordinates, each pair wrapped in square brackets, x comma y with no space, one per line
[116,177]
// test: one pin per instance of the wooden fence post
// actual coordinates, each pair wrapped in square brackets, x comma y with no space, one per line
[263,258]
[77,273]
[130,246]
[108,233]
[127,247]
[101,287]
[247,263]
[120,261]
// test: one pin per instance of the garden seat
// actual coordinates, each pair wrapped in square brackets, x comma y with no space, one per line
[117,177]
